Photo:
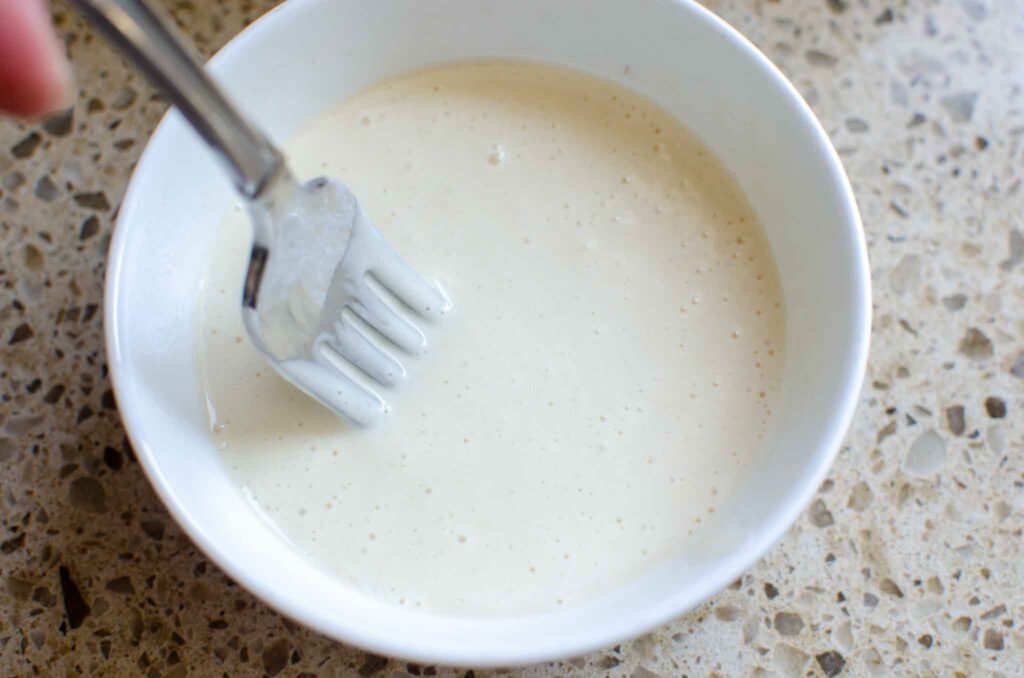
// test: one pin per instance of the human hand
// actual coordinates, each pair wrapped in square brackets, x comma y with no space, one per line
[34,73]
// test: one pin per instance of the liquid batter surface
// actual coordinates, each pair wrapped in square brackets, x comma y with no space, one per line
[600,387]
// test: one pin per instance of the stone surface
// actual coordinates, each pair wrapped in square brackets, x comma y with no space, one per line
[895,570]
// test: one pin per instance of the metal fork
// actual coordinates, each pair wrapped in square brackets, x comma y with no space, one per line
[323,292]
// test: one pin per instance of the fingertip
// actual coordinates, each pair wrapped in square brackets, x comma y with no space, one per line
[61,92]
[35,76]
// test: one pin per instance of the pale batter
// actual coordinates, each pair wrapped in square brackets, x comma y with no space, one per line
[601,385]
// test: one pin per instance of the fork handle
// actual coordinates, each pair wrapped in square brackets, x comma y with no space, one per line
[148,43]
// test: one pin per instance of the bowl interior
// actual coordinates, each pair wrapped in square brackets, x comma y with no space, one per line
[305,56]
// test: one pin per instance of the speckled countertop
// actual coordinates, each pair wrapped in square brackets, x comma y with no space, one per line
[910,561]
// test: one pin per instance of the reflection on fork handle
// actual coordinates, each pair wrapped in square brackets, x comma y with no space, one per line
[148,43]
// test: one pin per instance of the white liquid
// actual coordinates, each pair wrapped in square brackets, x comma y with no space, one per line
[598,390]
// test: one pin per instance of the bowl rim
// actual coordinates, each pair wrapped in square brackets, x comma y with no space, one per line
[642,621]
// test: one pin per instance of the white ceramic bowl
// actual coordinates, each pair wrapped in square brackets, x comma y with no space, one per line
[307,55]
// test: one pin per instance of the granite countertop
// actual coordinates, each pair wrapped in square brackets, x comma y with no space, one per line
[910,561]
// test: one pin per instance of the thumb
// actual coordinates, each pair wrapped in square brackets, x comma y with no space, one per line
[34,74]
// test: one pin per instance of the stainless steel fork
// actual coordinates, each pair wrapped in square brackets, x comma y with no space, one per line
[324,293]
